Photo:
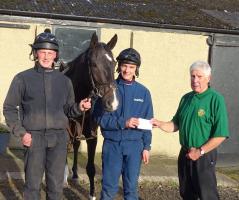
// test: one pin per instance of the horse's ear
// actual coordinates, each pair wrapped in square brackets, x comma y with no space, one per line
[94,40]
[111,44]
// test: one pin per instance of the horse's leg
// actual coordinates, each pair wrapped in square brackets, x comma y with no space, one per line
[90,167]
[66,174]
[76,145]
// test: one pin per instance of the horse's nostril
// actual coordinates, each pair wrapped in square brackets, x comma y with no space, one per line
[108,105]
[109,99]
[111,105]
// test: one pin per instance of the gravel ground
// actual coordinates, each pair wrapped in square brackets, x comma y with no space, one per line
[12,190]
[149,189]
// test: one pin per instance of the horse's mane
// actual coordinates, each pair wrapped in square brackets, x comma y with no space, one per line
[74,64]
[78,71]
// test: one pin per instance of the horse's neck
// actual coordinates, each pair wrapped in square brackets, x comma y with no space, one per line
[79,74]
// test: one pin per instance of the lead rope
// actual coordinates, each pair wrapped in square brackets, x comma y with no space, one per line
[79,134]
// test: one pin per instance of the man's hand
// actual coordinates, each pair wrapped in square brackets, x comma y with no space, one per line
[168,127]
[156,123]
[27,140]
[85,104]
[145,156]
[193,154]
[132,122]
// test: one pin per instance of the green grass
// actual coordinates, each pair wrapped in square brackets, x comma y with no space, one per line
[232,172]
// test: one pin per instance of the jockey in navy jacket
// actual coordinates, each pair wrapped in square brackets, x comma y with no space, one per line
[123,147]
[134,101]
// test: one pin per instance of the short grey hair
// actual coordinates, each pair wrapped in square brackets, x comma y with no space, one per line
[202,65]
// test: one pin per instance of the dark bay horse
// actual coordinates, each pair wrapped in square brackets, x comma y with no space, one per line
[92,75]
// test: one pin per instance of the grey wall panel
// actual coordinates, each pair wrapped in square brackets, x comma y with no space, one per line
[225,79]
[72,41]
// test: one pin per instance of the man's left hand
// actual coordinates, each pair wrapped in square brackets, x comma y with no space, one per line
[193,154]
[145,156]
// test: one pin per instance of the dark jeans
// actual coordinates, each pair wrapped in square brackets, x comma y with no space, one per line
[197,179]
[46,154]
[121,158]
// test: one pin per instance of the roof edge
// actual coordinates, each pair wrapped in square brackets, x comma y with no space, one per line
[114,21]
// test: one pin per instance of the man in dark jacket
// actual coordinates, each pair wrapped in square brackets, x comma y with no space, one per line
[125,143]
[36,108]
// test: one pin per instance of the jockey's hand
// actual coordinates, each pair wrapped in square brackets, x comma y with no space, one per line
[85,104]
[132,122]
[27,139]
[145,156]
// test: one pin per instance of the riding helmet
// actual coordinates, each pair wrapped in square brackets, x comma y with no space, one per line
[46,40]
[130,56]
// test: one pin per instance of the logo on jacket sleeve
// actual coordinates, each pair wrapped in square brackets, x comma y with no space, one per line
[139,100]
[201,112]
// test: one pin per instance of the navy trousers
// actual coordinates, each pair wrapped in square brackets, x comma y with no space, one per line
[46,154]
[197,179]
[121,158]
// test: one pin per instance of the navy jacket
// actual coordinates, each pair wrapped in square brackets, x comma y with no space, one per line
[134,101]
[39,99]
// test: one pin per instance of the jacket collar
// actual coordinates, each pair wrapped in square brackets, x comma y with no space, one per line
[41,69]
[120,80]
[203,94]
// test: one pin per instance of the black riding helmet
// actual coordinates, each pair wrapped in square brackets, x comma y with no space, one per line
[129,56]
[46,40]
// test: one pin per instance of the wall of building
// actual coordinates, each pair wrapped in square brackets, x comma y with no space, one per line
[166,57]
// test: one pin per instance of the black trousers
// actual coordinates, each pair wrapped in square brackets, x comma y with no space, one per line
[46,154]
[197,179]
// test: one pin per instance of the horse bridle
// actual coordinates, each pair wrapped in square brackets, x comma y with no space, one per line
[97,87]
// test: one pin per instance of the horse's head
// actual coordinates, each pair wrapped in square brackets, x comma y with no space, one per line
[102,66]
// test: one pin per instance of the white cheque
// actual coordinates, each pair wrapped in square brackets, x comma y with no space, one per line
[144,124]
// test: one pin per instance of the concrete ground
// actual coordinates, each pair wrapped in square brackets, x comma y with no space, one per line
[160,169]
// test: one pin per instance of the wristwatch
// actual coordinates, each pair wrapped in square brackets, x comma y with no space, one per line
[202,152]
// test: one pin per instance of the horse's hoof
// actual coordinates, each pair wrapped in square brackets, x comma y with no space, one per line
[81,137]
[92,197]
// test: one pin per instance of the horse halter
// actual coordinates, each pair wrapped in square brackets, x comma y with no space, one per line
[97,86]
